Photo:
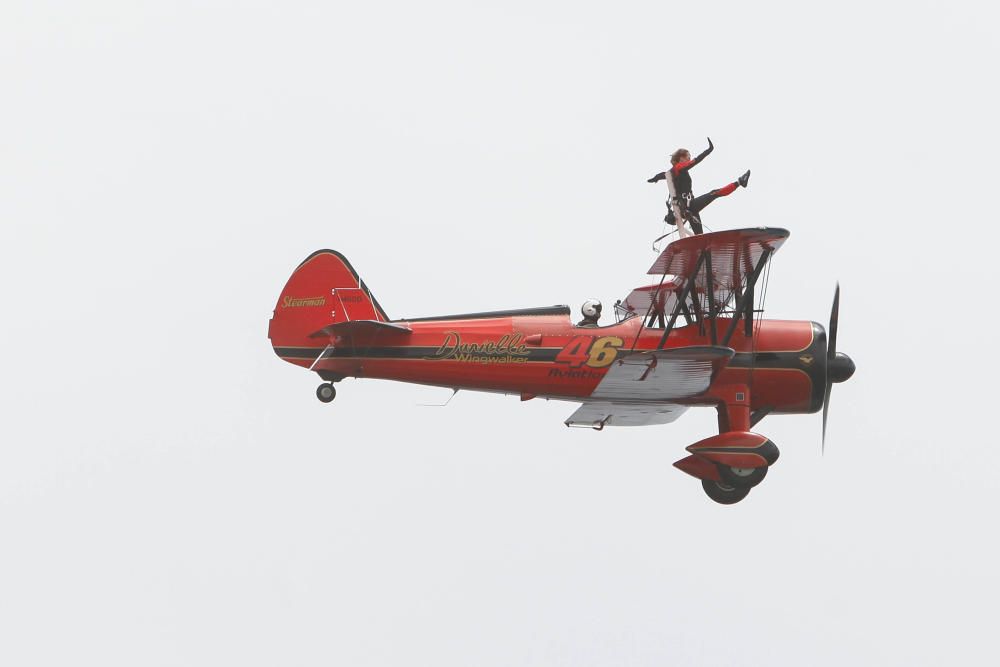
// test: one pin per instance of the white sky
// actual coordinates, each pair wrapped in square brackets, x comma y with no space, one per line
[173,494]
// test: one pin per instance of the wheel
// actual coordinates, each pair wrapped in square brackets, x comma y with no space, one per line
[326,392]
[722,493]
[742,477]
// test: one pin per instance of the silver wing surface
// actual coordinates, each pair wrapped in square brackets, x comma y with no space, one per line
[662,375]
[639,388]
[598,414]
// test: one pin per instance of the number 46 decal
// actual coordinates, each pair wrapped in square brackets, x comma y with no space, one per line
[596,353]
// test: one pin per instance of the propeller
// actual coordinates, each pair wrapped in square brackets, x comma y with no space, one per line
[839,366]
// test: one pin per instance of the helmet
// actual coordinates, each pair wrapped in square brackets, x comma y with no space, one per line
[591,308]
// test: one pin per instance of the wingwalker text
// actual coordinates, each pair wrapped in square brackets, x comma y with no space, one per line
[510,349]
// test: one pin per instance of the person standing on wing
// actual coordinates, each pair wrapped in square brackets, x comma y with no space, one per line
[683,205]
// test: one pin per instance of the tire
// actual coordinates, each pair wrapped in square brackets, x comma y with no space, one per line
[724,494]
[326,392]
[742,477]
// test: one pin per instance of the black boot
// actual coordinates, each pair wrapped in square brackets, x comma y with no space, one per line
[744,179]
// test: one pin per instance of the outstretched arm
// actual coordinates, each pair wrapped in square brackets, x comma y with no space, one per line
[659,177]
[683,166]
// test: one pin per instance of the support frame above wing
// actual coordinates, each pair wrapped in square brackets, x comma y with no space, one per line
[707,276]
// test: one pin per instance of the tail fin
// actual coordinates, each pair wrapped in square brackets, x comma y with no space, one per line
[324,289]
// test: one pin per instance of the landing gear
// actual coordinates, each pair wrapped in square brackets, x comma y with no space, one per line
[723,493]
[326,392]
[742,477]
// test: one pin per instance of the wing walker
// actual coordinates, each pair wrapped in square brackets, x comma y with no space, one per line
[693,336]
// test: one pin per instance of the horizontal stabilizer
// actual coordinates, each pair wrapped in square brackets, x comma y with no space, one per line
[663,375]
[359,328]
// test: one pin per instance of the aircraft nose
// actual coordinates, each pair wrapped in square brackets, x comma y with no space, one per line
[841,368]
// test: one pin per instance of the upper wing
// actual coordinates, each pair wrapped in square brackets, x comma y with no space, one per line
[732,254]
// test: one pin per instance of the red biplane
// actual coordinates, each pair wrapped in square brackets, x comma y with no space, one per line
[694,337]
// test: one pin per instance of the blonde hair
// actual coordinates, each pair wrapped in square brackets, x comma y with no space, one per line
[676,156]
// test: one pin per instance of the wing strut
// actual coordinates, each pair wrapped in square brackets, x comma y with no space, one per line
[711,276]
[689,285]
[710,295]
[741,303]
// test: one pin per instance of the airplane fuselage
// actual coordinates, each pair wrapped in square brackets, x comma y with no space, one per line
[540,353]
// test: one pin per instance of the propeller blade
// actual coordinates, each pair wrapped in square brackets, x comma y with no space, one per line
[831,354]
[831,347]
[826,411]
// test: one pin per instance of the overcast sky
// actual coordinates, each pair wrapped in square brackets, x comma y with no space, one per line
[171,493]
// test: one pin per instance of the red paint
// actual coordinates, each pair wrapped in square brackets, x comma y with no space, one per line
[739,449]
[698,467]
[781,369]
[323,276]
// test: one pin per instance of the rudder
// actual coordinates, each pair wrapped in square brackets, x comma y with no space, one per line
[323,290]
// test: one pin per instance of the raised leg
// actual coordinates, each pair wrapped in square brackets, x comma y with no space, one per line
[704,200]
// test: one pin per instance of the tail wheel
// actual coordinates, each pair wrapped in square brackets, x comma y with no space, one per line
[742,477]
[326,392]
[723,493]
